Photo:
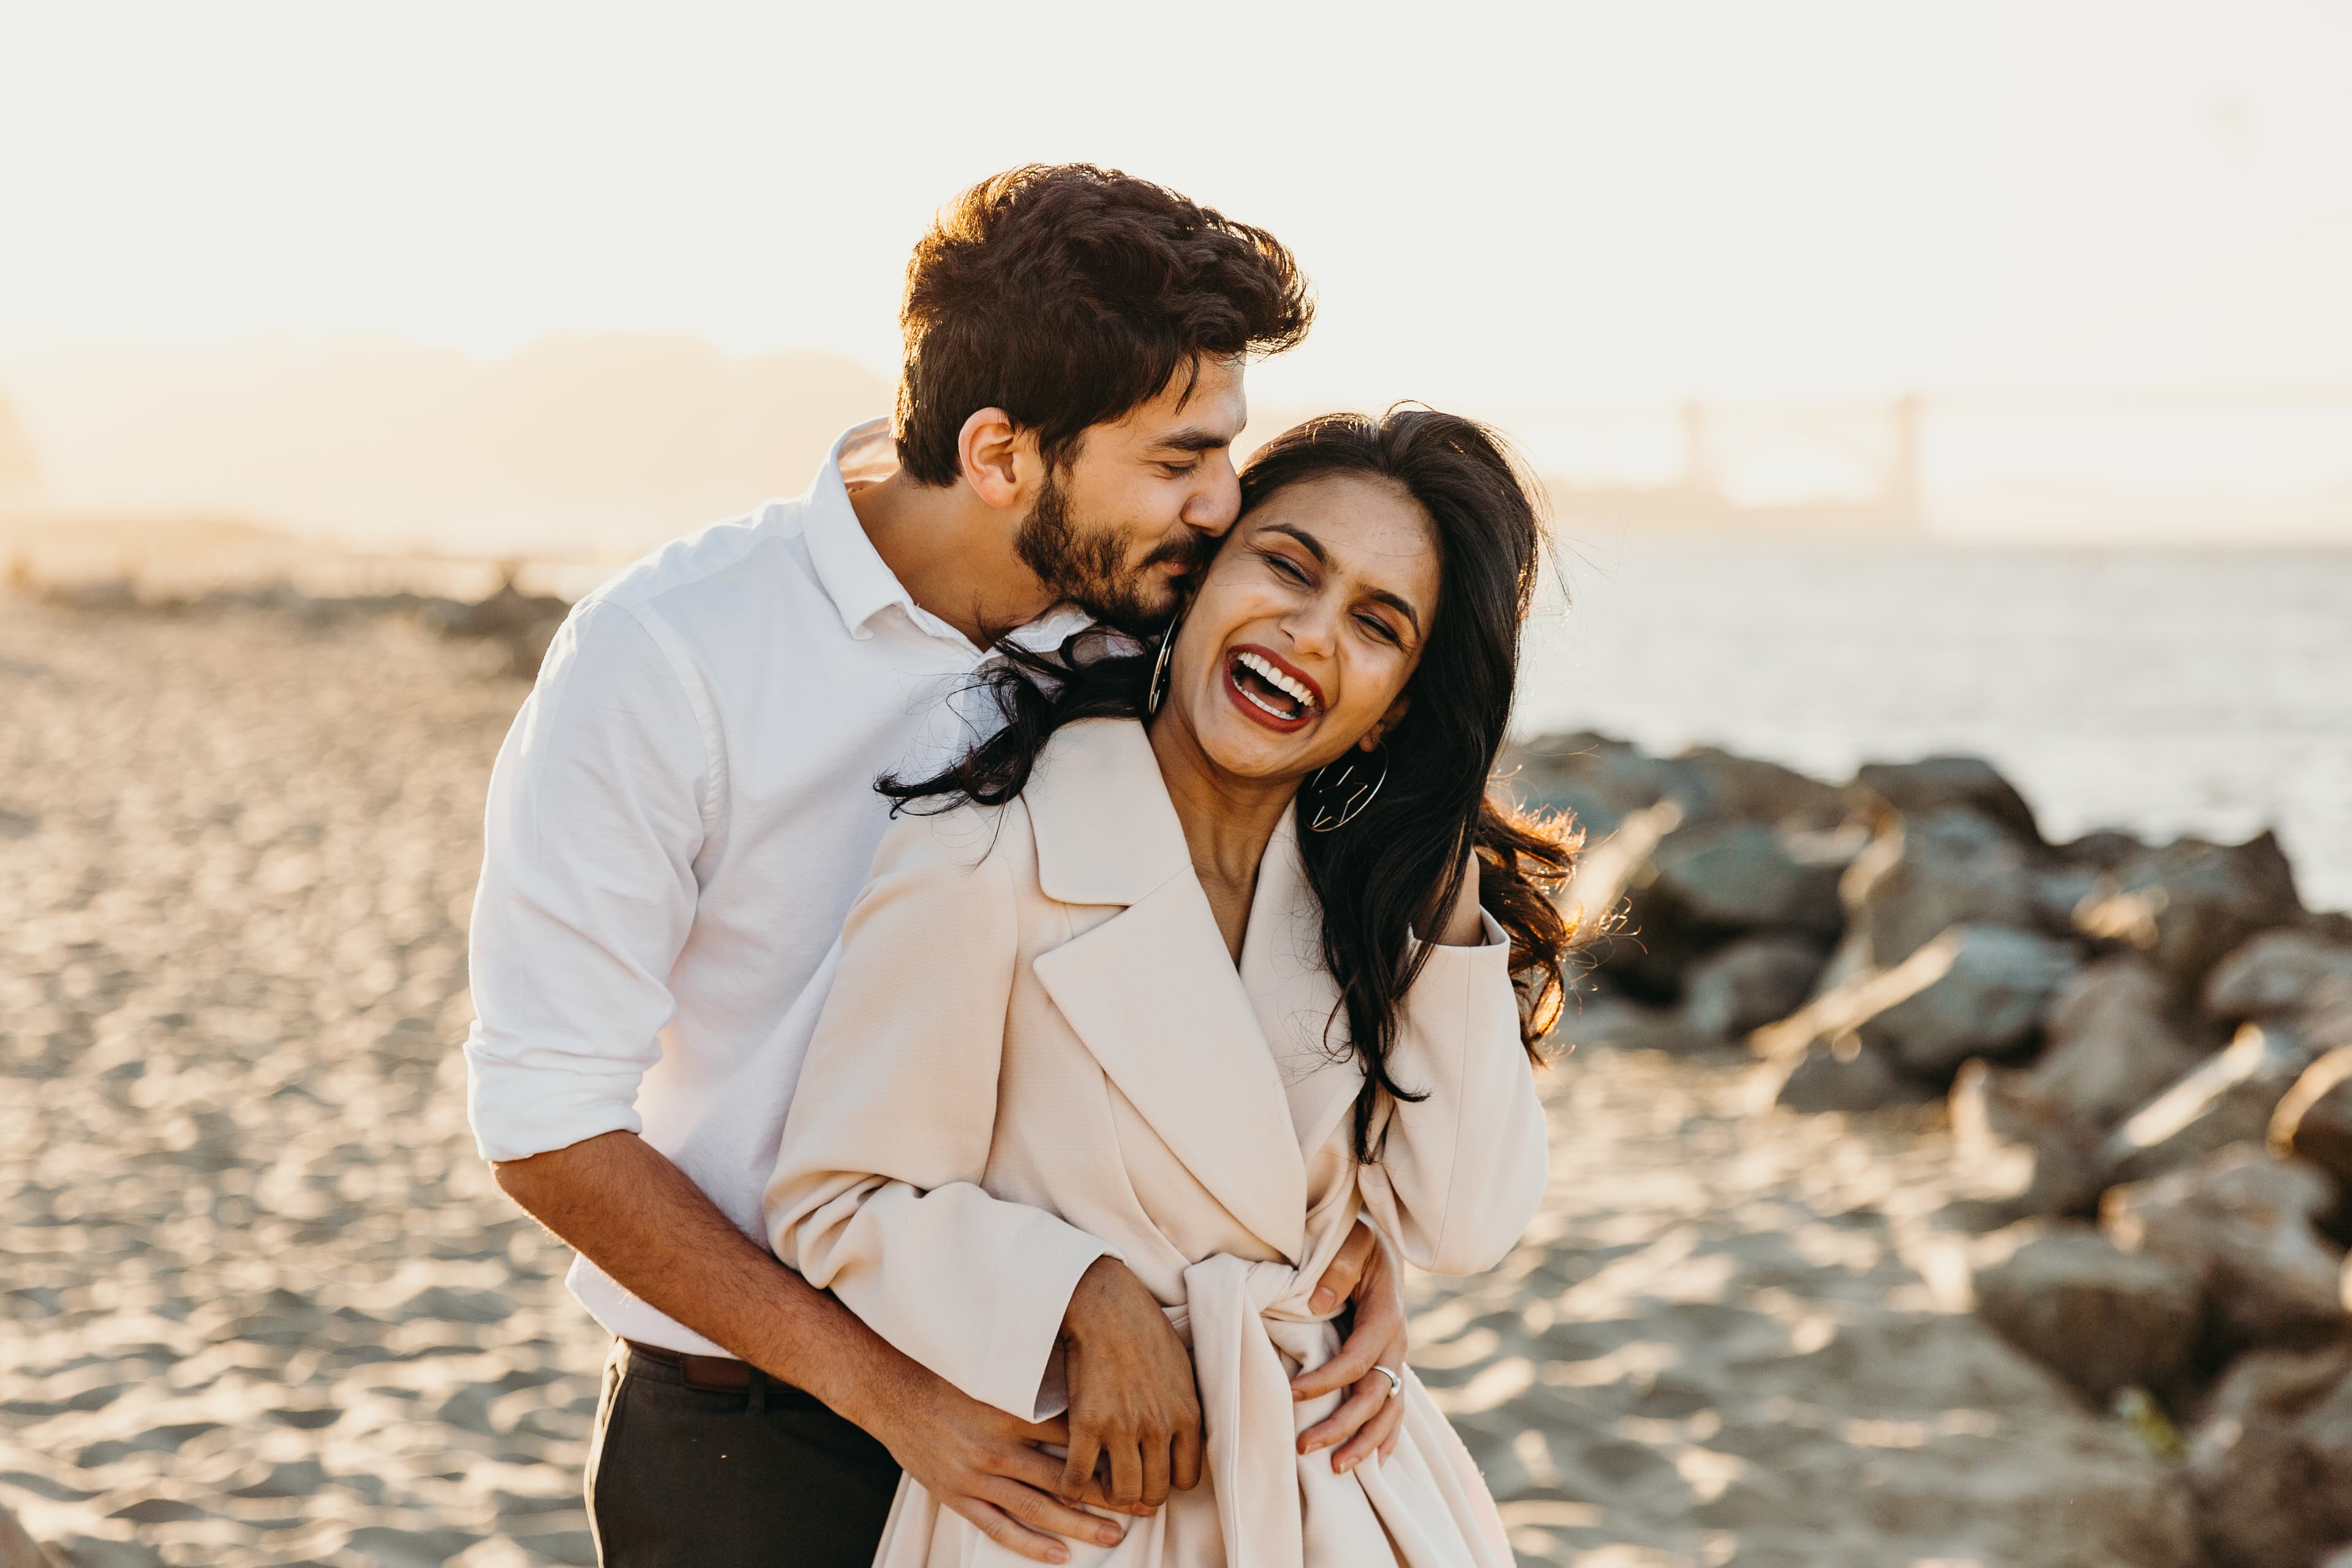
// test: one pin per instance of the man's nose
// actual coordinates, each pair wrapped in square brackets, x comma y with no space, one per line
[1213,507]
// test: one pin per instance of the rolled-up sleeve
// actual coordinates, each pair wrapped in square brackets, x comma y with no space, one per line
[598,807]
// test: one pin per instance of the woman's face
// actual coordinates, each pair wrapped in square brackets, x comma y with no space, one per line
[1307,626]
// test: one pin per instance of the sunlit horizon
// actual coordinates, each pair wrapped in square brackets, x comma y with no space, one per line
[2104,245]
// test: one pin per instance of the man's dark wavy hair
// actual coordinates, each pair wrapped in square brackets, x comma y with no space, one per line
[1067,296]
[1397,867]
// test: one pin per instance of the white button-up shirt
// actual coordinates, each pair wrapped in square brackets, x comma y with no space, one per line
[677,824]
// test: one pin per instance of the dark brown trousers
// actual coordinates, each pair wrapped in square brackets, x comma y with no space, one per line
[683,1473]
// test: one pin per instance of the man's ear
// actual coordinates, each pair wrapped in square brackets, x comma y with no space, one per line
[994,455]
[1388,720]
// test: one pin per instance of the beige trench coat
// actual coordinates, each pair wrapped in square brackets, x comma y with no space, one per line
[1037,1050]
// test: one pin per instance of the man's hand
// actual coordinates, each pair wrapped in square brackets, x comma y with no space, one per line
[637,1217]
[1369,1418]
[1133,1401]
[982,1464]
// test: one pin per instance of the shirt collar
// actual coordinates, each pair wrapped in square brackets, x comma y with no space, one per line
[856,577]
[853,571]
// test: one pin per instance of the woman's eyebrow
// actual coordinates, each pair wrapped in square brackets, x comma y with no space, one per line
[1398,603]
[1314,545]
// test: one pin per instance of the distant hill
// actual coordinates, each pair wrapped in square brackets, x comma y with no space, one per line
[607,444]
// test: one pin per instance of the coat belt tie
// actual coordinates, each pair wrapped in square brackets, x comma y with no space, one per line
[1244,1317]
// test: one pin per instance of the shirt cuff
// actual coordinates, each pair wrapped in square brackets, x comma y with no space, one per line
[519,1112]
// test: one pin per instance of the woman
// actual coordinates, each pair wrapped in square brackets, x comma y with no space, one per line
[1133,1020]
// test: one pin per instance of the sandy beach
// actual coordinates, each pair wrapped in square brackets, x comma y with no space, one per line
[263,1305]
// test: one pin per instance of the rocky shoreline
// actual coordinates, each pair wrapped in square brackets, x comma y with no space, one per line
[1923,1191]
[2146,1051]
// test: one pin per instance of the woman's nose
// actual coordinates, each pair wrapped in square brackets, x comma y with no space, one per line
[1310,628]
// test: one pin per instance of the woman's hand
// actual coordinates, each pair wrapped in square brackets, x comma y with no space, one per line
[1369,1418]
[1133,1404]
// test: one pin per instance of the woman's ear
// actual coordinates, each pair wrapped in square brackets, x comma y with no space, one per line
[1388,720]
[989,452]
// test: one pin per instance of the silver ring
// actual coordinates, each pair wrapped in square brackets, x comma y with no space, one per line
[1396,1384]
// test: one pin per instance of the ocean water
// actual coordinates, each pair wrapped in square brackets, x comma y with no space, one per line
[2164,691]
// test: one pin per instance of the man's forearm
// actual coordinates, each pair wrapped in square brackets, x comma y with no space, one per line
[626,1207]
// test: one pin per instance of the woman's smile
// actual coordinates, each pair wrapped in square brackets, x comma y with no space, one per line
[1269,689]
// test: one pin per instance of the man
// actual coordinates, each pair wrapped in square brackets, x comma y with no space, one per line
[685,809]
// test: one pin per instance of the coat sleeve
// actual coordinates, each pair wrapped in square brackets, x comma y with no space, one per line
[877,1194]
[1462,1172]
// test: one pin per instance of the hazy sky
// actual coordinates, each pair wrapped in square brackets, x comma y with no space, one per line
[1505,205]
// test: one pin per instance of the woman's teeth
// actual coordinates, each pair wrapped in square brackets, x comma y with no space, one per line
[1266,671]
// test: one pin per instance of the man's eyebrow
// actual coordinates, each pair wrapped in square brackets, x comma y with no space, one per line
[1396,601]
[1194,438]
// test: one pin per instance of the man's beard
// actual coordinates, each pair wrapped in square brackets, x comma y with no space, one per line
[1087,567]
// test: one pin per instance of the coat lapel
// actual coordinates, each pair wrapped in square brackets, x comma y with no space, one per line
[1150,990]
[1293,995]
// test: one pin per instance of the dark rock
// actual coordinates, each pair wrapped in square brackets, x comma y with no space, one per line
[1602,780]
[2113,1042]
[1849,962]
[1946,868]
[1597,779]
[1991,986]
[2189,904]
[524,624]
[2277,975]
[2101,849]
[1973,991]
[2244,1225]
[2314,1120]
[1755,981]
[2022,1155]
[1712,783]
[1630,1026]
[2060,890]
[2102,1319]
[2271,1464]
[1826,1078]
[1705,884]
[2226,1098]
[1736,876]
[1916,788]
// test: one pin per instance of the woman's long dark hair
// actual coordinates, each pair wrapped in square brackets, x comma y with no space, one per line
[1396,867]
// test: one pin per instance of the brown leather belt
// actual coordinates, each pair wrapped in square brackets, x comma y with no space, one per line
[723,1374]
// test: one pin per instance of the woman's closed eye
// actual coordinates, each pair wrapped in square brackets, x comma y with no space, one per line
[1380,630]
[1286,569]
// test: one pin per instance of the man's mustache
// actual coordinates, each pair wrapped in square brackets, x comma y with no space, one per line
[1191,553]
